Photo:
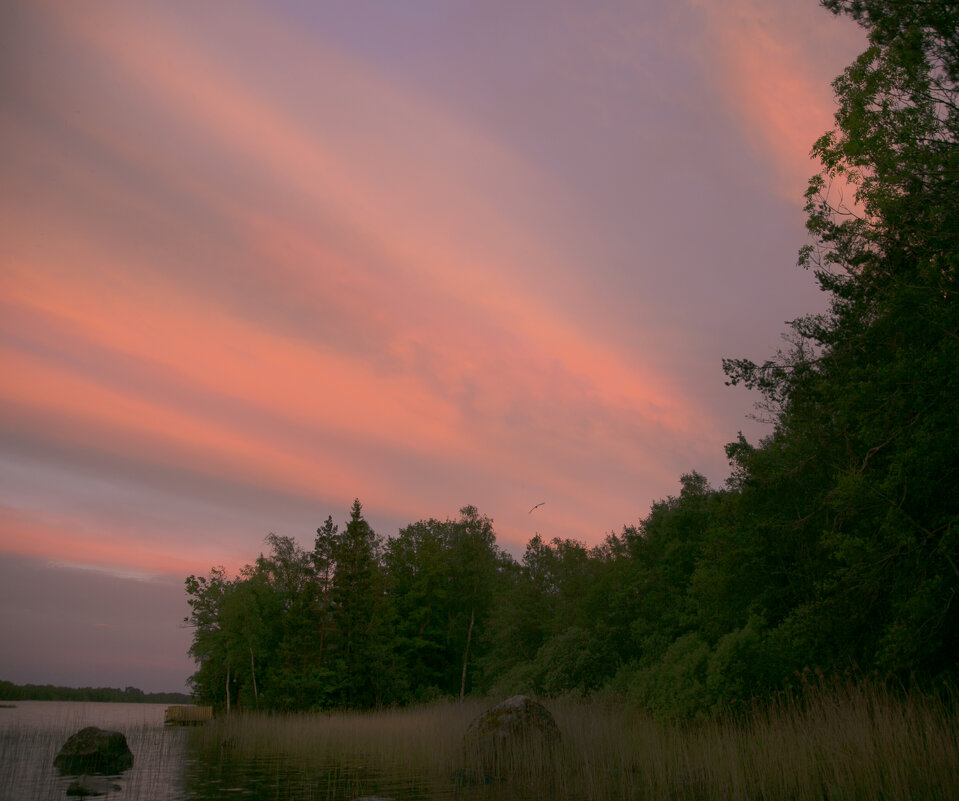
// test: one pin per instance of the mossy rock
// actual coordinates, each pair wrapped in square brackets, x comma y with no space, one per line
[510,736]
[94,751]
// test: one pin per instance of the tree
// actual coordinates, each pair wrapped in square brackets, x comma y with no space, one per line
[417,563]
[665,549]
[244,612]
[254,634]
[361,614]
[211,682]
[473,565]
[443,576]
[864,400]
[283,586]
[324,568]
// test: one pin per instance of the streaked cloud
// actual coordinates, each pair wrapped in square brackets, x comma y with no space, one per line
[123,573]
[775,64]
[257,263]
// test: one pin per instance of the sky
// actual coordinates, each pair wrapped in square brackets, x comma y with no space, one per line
[260,259]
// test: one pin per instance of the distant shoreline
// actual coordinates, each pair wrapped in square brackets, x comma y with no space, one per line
[48,692]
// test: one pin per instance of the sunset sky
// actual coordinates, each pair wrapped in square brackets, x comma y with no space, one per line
[259,259]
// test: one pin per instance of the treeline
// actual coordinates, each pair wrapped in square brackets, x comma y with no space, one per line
[833,547]
[48,692]
[356,621]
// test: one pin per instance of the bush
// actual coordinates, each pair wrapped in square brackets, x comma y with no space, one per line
[574,662]
[676,685]
[737,668]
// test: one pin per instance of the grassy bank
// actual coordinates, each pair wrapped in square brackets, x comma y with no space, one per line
[858,742]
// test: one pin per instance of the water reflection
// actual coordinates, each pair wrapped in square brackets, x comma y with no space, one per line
[175,764]
[272,778]
[32,733]
[275,779]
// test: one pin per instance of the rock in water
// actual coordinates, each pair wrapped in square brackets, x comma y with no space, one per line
[94,751]
[515,718]
[513,734]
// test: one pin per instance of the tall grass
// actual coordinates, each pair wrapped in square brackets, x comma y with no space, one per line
[27,772]
[855,742]
[355,753]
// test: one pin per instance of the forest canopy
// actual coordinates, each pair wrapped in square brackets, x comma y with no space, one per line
[832,549]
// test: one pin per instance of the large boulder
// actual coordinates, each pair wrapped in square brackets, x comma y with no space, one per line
[515,734]
[94,751]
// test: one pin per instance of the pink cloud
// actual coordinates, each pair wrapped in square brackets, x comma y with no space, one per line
[118,552]
[774,62]
[446,352]
[408,235]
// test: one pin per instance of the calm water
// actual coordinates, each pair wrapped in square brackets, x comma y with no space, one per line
[32,733]
[167,768]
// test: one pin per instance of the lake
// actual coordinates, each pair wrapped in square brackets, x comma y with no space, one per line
[177,763]
[855,743]
[32,733]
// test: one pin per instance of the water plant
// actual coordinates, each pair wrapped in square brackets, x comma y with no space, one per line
[858,741]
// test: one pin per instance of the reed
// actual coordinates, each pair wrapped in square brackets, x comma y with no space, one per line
[854,742]
[413,747]
[27,753]
[27,760]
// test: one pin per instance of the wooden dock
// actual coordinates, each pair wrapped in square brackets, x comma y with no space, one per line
[187,715]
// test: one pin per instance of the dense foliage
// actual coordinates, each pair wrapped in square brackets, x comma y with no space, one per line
[48,692]
[356,622]
[833,547]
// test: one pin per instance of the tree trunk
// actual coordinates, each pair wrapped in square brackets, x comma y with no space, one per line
[256,697]
[466,653]
[319,658]
[228,689]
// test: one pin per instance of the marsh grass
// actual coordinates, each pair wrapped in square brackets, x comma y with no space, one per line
[26,758]
[855,742]
[411,751]
[27,752]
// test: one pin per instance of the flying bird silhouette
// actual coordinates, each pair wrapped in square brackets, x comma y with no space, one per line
[535,508]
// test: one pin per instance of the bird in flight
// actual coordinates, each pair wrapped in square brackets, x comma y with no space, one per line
[535,508]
